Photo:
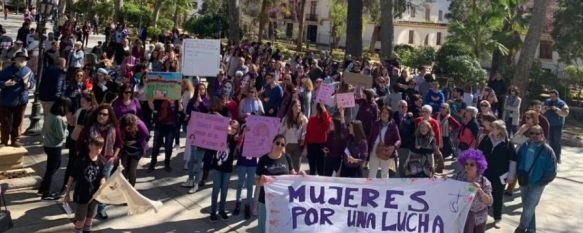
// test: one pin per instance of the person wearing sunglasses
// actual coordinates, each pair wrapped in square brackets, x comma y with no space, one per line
[126,103]
[537,167]
[103,123]
[501,157]
[275,163]
[474,164]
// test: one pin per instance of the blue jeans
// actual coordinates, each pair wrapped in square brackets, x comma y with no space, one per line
[220,184]
[555,134]
[107,168]
[531,195]
[510,128]
[246,177]
[195,164]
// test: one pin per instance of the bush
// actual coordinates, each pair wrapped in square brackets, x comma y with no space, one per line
[105,10]
[206,26]
[415,57]
[154,32]
[443,56]
[466,69]
[165,24]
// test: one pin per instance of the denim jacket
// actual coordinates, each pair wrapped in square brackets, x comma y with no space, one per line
[545,167]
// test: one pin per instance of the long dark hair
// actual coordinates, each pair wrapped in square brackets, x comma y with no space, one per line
[358,130]
[291,120]
[61,106]
[112,119]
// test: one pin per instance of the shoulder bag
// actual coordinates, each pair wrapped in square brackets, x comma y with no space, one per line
[523,176]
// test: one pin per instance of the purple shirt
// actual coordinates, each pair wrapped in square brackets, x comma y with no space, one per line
[121,109]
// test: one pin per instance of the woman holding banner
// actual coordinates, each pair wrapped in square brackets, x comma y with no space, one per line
[293,127]
[275,163]
[250,105]
[356,151]
[198,103]
[475,164]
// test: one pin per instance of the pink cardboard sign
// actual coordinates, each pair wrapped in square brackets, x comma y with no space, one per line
[345,100]
[325,93]
[208,131]
[261,132]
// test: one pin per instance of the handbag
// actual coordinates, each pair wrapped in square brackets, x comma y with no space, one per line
[523,175]
[383,151]
[6,222]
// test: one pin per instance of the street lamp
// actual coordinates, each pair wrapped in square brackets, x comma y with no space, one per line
[45,10]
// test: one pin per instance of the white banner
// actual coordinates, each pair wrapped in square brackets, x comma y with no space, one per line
[201,57]
[117,190]
[341,205]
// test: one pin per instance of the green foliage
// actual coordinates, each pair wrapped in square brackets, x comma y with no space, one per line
[476,32]
[465,68]
[154,32]
[338,14]
[567,30]
[541,80]
[82,6]
[134,12]
[206,26]
[415,57]
[444,54]
[165,24]
[104,10]
[212,7]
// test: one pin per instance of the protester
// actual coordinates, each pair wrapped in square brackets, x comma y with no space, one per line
[537,167]
[54,135]
[315,139]
[420,161]
[475,164]
[275,163]
[511,110]
[102,123]
[384,141]
[368,111]
[356,152]
[15,81]
[89,175]
[166,120]
[198,103]
[555,110]
[126,103]
[53,85]
[246,168]
[448,125]
[106,90]
[293,127]
[135,138]
[221,173]
[250,105]
[406,123]
[468,136]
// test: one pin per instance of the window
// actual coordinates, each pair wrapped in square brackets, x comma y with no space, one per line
[411,36]
[440,16]
[426,42]
[545,50]
[427,14]
[313,6]
[438,39]
[413,12]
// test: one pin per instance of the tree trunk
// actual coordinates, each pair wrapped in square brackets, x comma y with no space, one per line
[263,18]
[387,29]
[118,6]
[354,28]
[531,42]
[234,18]
[373,37]
[300,7]
[176,14]
[156,13]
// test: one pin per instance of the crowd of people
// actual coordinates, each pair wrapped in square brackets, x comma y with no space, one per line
[404,126]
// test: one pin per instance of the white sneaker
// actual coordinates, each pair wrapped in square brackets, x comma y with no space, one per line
[189,183]
[193,189]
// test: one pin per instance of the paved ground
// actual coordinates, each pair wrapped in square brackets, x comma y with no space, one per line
[561,204]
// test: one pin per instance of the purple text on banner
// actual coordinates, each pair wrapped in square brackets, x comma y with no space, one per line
[261,132]
[325,93]
[345,100]
[208,131]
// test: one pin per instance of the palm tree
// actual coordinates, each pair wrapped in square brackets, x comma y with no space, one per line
[514,25]
[477,31]
[531,41]
[354,28]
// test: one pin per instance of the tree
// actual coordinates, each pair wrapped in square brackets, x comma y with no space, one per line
[298,12]
[373,8]
[567,32]
[388,29]
[477,31]
[263,17]
[531,41]
[157,7]
[338,13]
[234,19]
[206,26]
[354,28]
[118,7]
[514,25]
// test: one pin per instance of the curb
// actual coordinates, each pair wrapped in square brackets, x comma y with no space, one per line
[23,183]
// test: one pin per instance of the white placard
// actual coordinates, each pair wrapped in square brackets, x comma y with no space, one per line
[201,57]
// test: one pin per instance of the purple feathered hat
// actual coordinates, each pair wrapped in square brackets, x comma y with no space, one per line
[475,155]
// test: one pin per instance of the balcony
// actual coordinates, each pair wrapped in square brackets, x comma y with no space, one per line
[312,17]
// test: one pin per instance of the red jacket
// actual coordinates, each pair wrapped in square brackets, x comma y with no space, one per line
[436,129]
[317,129]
